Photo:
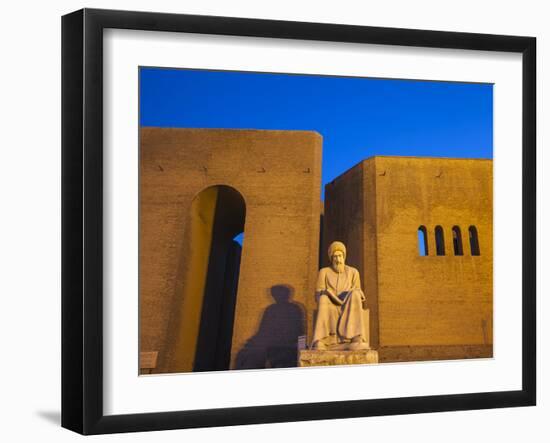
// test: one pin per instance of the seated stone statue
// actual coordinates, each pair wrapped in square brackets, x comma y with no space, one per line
[339,323]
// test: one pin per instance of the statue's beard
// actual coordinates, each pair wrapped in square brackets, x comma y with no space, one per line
[338,267]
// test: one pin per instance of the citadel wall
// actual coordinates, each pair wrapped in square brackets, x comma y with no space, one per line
[184,173]
[423,307]
[208,304]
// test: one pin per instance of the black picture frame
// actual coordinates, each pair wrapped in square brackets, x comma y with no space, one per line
[82,218]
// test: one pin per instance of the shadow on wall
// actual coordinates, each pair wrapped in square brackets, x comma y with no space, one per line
[275,343]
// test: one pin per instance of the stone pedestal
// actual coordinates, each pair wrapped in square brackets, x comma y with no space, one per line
[333,358]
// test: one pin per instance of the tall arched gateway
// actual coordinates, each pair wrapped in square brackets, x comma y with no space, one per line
[211,259]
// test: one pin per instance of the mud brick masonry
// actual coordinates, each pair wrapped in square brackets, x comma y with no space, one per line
[273,177]
[208,304]
[422,307]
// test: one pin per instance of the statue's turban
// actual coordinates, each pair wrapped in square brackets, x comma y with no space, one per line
[336,246]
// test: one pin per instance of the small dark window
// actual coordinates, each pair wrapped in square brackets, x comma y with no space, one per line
[439,241]
[474,241]
[422,241]
[457,241]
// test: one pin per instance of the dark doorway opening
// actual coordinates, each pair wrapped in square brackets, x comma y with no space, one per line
[213,345]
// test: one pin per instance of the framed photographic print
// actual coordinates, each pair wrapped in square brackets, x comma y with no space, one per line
[269,221]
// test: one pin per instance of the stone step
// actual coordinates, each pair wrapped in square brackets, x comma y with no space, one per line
[333,358]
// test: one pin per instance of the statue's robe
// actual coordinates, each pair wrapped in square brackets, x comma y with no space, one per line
[345,321]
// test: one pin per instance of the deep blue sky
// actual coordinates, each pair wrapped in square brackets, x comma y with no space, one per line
[357,117]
